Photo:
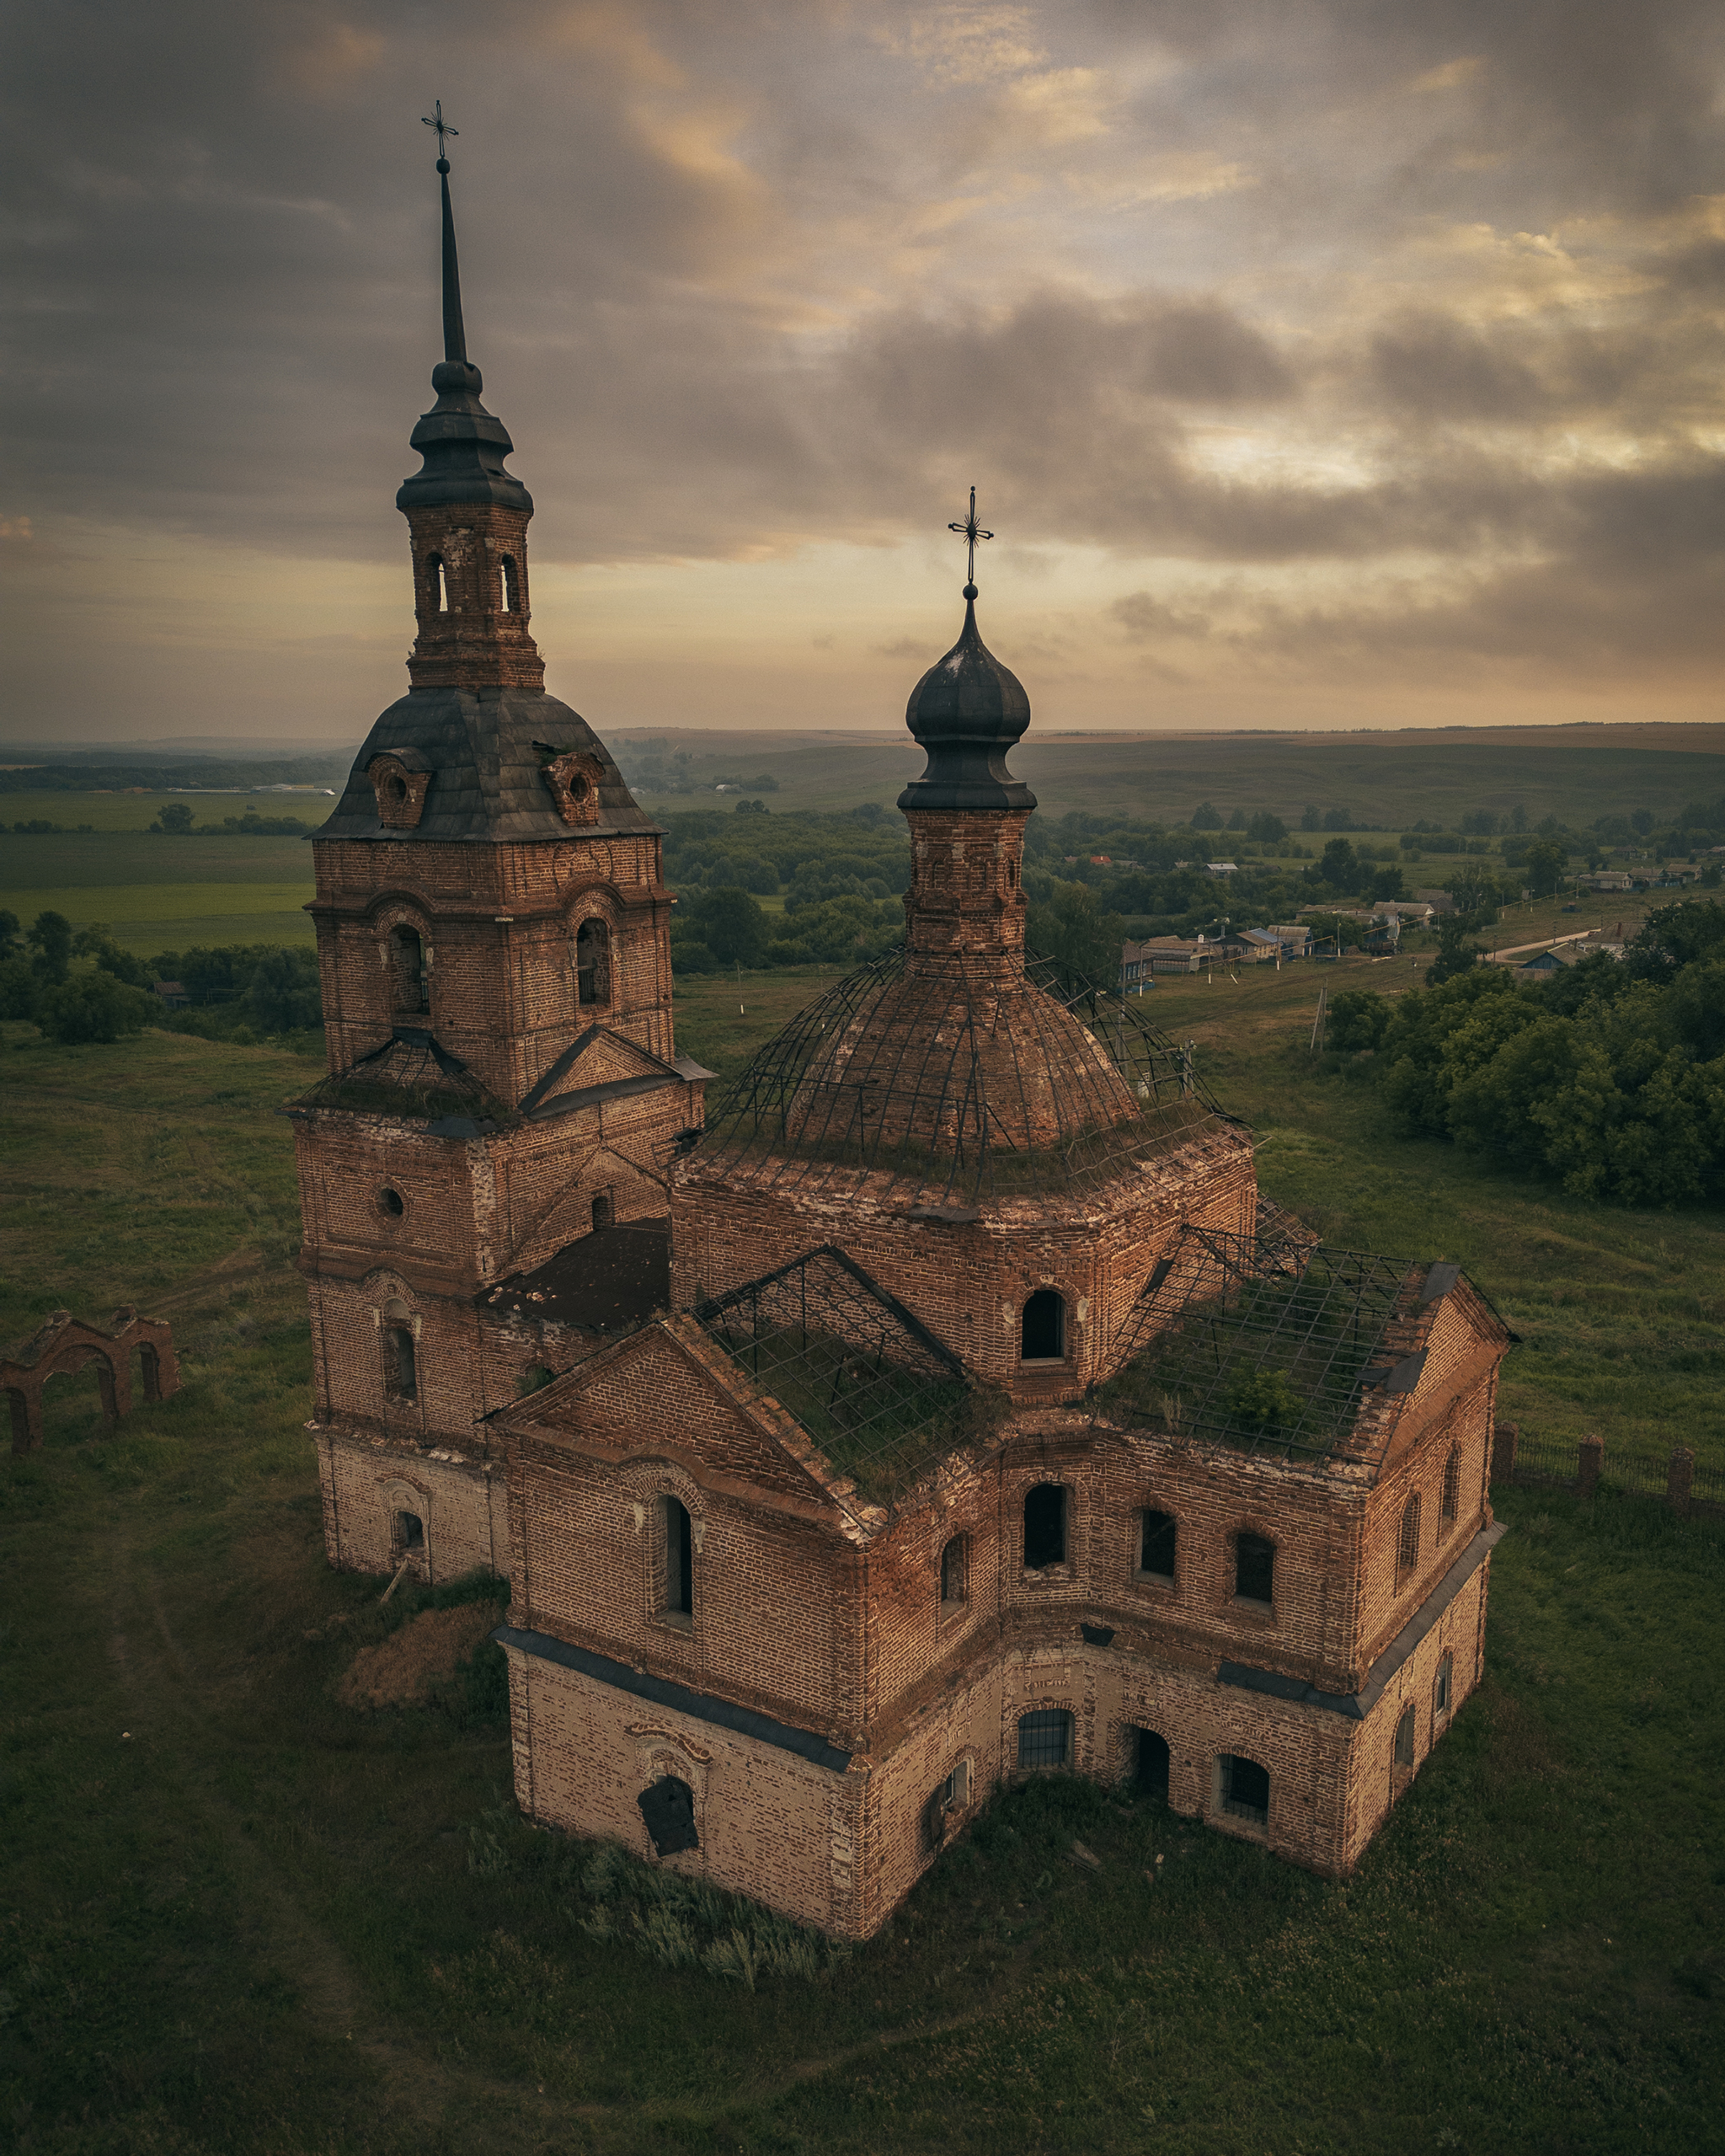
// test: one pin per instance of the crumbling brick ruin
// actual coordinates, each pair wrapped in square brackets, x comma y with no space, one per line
[945,1406]
[66,1345]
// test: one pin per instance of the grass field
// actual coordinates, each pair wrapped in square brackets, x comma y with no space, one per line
[240,1916]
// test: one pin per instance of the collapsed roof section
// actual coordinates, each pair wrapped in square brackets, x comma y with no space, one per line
[1277,1346]
[936,1082]
[880,1396]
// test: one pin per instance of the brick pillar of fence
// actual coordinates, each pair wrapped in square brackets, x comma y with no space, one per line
[1504,1437]
[1589,1459]
[1679,1478]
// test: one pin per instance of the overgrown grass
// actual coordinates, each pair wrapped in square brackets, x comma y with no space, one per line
[238,1915]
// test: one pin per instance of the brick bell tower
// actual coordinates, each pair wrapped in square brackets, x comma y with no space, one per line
[477,1172]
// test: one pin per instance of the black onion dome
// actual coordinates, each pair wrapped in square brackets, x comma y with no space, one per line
[463,447]
[967,711]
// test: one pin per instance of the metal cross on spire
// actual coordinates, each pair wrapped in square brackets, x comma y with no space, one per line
[971,531]
[443,128]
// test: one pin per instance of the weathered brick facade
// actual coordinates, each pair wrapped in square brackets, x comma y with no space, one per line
[538,1293]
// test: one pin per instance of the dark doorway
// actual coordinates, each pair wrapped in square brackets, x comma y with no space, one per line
[1044,1333]
[602,1209]
[1150,1769]
[1044,1526]
[668,1807]
[1245,1789]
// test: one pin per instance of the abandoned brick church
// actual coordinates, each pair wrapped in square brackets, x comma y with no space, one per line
[939,1404]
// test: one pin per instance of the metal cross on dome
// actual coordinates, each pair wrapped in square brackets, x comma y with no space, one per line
[442,126]
[971,531]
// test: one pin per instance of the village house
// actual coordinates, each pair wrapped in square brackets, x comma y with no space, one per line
[942,1403]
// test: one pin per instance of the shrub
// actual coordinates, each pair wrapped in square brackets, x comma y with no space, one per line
[1357,1019]
[93,1006]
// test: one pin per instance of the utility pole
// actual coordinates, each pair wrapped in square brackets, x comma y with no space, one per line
[1317,1023]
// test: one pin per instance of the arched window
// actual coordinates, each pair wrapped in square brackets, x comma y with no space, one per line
[506,578]
[1156,1549]
[1404,1738]
[1451,1503]
[1254,1569]
[1045,1738]
[1044,1339]
[1408,1542]
[667,1812]
[1243,1789]
[677,1585]
[436,584]
[408,1538]
[593,962]
[953,1589]
[1044,1526]
[602,1215]
[1149,1765]
[1441,1689]
[401,1375]
[408,954]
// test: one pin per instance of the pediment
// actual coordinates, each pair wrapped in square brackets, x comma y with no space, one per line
[598,1065]
[665,1391]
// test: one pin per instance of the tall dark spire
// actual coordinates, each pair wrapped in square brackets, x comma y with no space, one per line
[455,336]
[463,445]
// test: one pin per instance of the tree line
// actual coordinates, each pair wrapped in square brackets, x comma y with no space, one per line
[235,991]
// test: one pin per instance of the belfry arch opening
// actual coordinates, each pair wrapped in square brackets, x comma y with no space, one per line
[510,601]
[407,956]
[436,584]
[593,962]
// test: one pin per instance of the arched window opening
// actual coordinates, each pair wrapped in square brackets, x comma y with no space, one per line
[1156,1549]
[395,787]
[506,577]
[1408,1542]
[1044,1333]
[436,584]
[677,1589]
[1404,1738]
[1243,1789]
[1045,1738]
[401,1375]
[1254,1570]
[946,1802]
[1149,1765]
[1441,1689]
[602,1214]
[668,1812]
[1452,1484]
[593,962]
[409,1537]
[1044,1526]
[953,1589]
[411,988]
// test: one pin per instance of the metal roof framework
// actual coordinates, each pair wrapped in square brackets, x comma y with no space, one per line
[1275,1345]
[879,1395]
[887,1076]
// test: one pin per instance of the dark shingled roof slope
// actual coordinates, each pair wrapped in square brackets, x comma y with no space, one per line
[483,747]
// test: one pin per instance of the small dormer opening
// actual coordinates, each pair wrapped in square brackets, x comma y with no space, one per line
[602,1213]
[1044,1337]
[506,576]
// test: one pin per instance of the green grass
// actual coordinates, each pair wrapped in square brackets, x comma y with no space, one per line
[238,1915]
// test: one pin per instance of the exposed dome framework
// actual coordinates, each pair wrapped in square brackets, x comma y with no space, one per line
[942,1084]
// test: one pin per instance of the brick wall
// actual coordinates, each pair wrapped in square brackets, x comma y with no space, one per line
[366,1484]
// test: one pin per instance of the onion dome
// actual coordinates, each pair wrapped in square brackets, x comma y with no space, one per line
[967,711]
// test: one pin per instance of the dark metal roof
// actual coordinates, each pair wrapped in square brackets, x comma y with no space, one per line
[967,711]
[609,1282]
[486,750]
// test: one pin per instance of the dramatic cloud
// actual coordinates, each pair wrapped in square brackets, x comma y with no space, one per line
[1287,344]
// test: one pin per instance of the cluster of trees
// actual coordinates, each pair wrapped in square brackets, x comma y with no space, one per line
[174,821]
[236,991]
[727,926]
[1611,1076]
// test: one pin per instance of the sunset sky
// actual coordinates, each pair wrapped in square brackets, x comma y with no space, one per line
[1316,363]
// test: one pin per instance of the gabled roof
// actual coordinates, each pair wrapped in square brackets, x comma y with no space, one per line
[1279,1346]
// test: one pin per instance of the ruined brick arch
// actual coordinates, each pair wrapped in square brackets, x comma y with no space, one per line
[66,1345]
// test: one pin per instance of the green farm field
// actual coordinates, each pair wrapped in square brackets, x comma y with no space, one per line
[242,1915]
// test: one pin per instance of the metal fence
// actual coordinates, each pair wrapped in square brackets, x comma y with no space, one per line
[1587,1468]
